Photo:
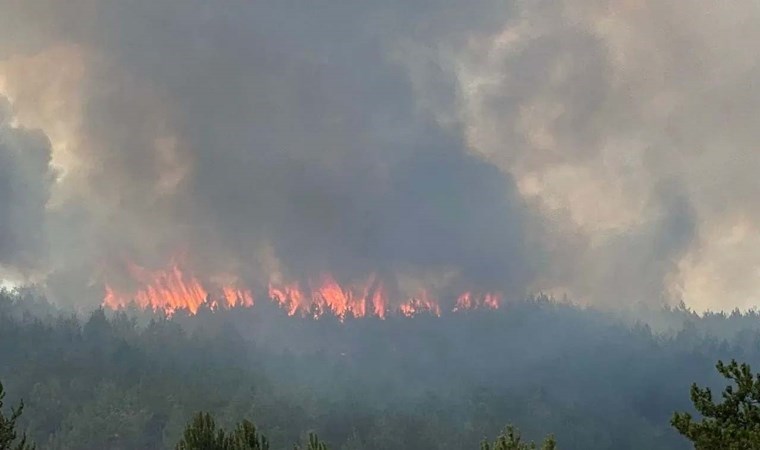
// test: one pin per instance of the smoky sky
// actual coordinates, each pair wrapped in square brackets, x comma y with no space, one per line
[221,131]
[25,183]
[596,148]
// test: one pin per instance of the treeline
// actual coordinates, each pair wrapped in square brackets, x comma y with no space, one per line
[202,433]
[133,381]
[730,424]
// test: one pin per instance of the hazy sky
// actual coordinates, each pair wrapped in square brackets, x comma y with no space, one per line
[602,149]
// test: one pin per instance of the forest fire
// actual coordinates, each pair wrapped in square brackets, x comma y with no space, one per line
[328,295]
[469,301]
[172,289]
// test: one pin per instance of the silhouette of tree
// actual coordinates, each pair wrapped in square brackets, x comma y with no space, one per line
[510,439]
[8,432]
[733,424]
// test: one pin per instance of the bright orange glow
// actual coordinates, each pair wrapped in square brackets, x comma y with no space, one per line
[237,297]
[327,295]
[423,304]
[289,297]
[378,302]
[172,289]
[467,301]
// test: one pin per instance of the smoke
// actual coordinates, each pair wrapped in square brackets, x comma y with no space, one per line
[25,182]
[260,139]
[597,148]
[629,125]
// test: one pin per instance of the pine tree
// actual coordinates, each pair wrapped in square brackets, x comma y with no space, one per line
[733,424]
[510,439]
[246,437]
[314,443]
[202,434]
[8,433]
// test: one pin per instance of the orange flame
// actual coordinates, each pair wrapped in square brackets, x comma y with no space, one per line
[171,290]
[423,304]
[329,296]
[289,297]
[378,302]
[468,300]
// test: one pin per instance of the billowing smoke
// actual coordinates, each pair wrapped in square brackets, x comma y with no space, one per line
[25,182]
[595,106]
[255,139]
[597,148]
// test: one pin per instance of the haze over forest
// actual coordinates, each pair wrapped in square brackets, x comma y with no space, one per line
[382,221]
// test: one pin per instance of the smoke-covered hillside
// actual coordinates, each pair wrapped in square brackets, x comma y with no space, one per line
[129,381]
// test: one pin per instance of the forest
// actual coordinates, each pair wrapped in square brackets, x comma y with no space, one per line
[134,380]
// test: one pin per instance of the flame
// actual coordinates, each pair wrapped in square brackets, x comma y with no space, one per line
[378,302]
[328,295]
[468,300]
[288,296]
[368,299]
[172,289]
[237,297]
[423,304]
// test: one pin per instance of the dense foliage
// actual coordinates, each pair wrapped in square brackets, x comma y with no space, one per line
[734,423]
[9,434]
[510,439]
[133,380]
[203,434]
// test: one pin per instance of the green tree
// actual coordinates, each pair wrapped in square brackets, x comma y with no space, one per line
[8,433]
[314,443]
[510,439]
[246,437]
[733,424]
[202,434]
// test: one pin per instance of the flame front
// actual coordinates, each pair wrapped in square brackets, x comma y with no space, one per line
[328,295]
[421,304]
[172,289]
[468,300]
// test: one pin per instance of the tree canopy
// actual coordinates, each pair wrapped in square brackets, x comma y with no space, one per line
[203,434]
[511,439]
[730,424]
[9,435]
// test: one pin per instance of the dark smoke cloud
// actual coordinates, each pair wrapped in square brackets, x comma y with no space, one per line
[228,131]
[592,147]
[25,182]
